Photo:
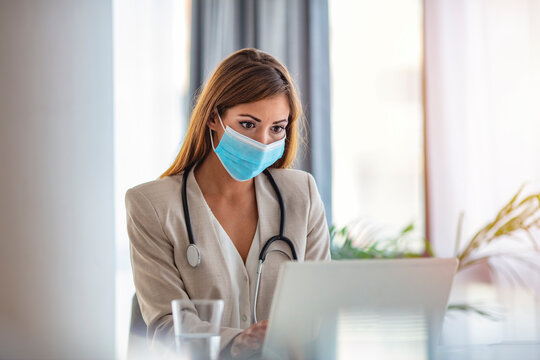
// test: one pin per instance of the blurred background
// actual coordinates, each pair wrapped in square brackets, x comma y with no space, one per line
[418,112]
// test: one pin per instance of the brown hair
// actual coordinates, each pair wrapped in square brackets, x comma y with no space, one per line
[247,75]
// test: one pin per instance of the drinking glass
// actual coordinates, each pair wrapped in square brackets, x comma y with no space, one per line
[196,328]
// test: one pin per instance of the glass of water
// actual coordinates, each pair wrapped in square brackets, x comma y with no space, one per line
[196,328]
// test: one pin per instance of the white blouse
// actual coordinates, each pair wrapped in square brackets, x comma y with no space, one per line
[244,277]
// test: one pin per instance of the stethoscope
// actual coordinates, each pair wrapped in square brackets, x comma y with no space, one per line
[194,255]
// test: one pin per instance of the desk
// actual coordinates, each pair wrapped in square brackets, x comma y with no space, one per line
[515,351]
[465,336]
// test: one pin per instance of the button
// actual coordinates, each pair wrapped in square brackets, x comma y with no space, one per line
[244,318]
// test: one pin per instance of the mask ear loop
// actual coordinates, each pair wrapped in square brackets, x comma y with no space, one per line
[210,130]
[221,122]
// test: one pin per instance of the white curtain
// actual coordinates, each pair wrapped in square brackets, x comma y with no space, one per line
[483,110]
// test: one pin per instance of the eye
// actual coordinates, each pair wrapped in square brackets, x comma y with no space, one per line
[277,129]
[247,124]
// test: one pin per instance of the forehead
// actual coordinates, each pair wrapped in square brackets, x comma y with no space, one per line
[272,108]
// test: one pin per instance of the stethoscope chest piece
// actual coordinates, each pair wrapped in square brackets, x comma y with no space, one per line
[193,255]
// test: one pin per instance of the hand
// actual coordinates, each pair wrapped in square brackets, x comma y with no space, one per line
[249,341]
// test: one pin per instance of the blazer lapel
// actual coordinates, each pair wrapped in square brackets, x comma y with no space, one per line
[268,208]
[204,231]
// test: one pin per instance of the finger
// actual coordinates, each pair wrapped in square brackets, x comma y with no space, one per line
[244,349]
[258,340]
[252,345]
[255,345]
[263,323]
[253,337]
[262,327]
[245,341]
[248,339]
[256,330]
[260,331]
[255,333]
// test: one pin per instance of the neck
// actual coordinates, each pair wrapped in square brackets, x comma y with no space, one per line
[214,180]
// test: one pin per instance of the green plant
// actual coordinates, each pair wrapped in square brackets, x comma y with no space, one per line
[367,243]
[512,224]
[515,221]
[476,309]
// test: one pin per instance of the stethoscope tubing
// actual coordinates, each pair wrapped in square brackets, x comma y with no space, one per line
[193,254]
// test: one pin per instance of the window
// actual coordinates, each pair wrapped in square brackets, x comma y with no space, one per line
[377,112]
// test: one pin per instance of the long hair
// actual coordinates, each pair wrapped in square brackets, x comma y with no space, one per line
[247,75]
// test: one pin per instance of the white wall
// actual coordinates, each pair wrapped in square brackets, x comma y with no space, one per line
[56,183]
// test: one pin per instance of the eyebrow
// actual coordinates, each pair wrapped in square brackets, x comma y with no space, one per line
[259,120]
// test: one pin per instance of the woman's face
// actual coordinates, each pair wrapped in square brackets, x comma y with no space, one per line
[264,120]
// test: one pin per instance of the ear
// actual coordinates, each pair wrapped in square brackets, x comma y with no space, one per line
[212,121]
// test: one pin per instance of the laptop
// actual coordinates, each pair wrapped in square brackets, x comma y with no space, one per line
[350,308]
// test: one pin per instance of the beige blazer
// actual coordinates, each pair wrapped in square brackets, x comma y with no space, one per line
[158,238]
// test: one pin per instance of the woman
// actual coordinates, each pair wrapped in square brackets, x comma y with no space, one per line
[245,120]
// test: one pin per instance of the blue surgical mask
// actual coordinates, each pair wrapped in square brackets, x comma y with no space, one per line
[243,157]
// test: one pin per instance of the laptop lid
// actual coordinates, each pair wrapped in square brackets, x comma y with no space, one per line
[327,310]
